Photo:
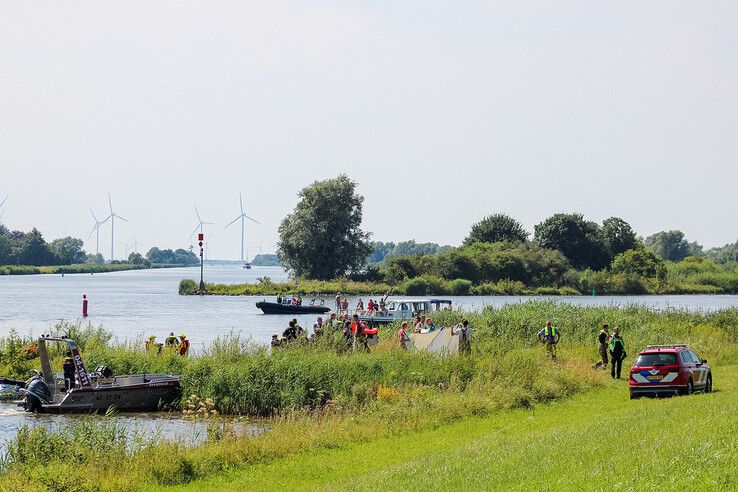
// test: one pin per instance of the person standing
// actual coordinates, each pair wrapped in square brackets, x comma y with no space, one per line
[464,331]
[402,337]
[602,340]
[549,336]
[184,345]
[617,353]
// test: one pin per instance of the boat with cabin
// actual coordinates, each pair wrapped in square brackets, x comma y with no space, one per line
[403,309]
[82,391]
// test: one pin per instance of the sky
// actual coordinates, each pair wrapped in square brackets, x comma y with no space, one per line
[442,112]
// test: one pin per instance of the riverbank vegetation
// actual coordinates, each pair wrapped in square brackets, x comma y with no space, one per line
[28,253]
[318,397]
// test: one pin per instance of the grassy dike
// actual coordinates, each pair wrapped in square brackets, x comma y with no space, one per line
[321,401]
[599,440]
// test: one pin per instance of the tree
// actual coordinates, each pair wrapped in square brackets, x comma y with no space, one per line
[6,250]
[34,250]
[618,236]
[496,228]
[581,241]
[725,255]
[68,250]
[137,259]
[671,245]
[322,237]
[96,258]
[641,262]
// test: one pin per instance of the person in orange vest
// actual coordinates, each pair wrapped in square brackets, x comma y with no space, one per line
[184,345]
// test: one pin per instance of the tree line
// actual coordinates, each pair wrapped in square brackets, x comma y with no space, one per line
[30,248]
[322,239]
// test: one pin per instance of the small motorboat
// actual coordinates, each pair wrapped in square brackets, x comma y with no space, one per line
[96,391]
[286,307]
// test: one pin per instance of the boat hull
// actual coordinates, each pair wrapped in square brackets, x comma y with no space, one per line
[140,398]
[275,308]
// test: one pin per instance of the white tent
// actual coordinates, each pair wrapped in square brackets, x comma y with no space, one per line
[438,341]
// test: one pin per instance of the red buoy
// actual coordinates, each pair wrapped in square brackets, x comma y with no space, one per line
[84,305]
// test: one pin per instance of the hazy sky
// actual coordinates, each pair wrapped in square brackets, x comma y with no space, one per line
[442,111]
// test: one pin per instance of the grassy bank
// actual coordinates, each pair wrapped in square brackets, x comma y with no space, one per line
[78,268]
[599,440]
[321,401]
[417,286]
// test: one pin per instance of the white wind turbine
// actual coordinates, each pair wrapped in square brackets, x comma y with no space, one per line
[96,230]
[136,244]
[200,223]
[112,218]
[1,206]
[242,217]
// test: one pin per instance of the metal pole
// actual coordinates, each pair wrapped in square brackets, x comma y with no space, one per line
[202,282]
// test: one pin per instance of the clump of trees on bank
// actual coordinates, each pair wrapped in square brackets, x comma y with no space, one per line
[29,253]
[322,240]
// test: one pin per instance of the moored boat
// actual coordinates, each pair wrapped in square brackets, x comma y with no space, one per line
[403,309]
[286,307]
[97,391]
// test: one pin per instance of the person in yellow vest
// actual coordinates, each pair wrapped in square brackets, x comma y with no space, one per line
[549,336]
[152,346]
[171,342]
[184,345]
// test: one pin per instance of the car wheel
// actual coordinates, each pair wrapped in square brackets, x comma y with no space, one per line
[633,396]
[690,387]
[708,384]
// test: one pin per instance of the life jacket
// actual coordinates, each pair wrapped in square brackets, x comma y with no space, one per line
[184,347]
[550,331]
[371,331]
[615,341]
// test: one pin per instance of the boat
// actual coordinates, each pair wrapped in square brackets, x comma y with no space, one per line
[247,265]
[403,309]
[96,391]
[286,307]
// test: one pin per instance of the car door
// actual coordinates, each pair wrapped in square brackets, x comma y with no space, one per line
[688,367]
[700,371]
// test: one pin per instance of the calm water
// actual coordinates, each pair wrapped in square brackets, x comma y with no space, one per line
[162,426]
[136,304]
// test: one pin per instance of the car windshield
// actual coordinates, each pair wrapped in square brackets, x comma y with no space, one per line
[656,359]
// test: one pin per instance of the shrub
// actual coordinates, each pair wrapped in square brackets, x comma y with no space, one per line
[460,287]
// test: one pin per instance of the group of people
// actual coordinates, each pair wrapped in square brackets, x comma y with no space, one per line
[295,301]
[610,348]
[179,345]
[372,307]
[613,346]
[357,334]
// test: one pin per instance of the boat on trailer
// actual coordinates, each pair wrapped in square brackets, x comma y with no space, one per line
[96,391]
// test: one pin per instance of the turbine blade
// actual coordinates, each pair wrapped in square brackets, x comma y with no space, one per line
[197,228]
[93,230]
[93,214]
[121,218]
[231,222]
[4,200]
[250,218]
[240,201]
[198,215]
[110,202]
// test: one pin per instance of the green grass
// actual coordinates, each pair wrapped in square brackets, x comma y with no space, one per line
[599,440]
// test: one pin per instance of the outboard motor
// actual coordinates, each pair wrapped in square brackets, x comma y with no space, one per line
[37,392]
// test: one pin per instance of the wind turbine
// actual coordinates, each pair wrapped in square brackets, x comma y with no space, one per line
[200,223]
[96,230]
[242,217]
[136,244]
[112,217]
[1,206]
